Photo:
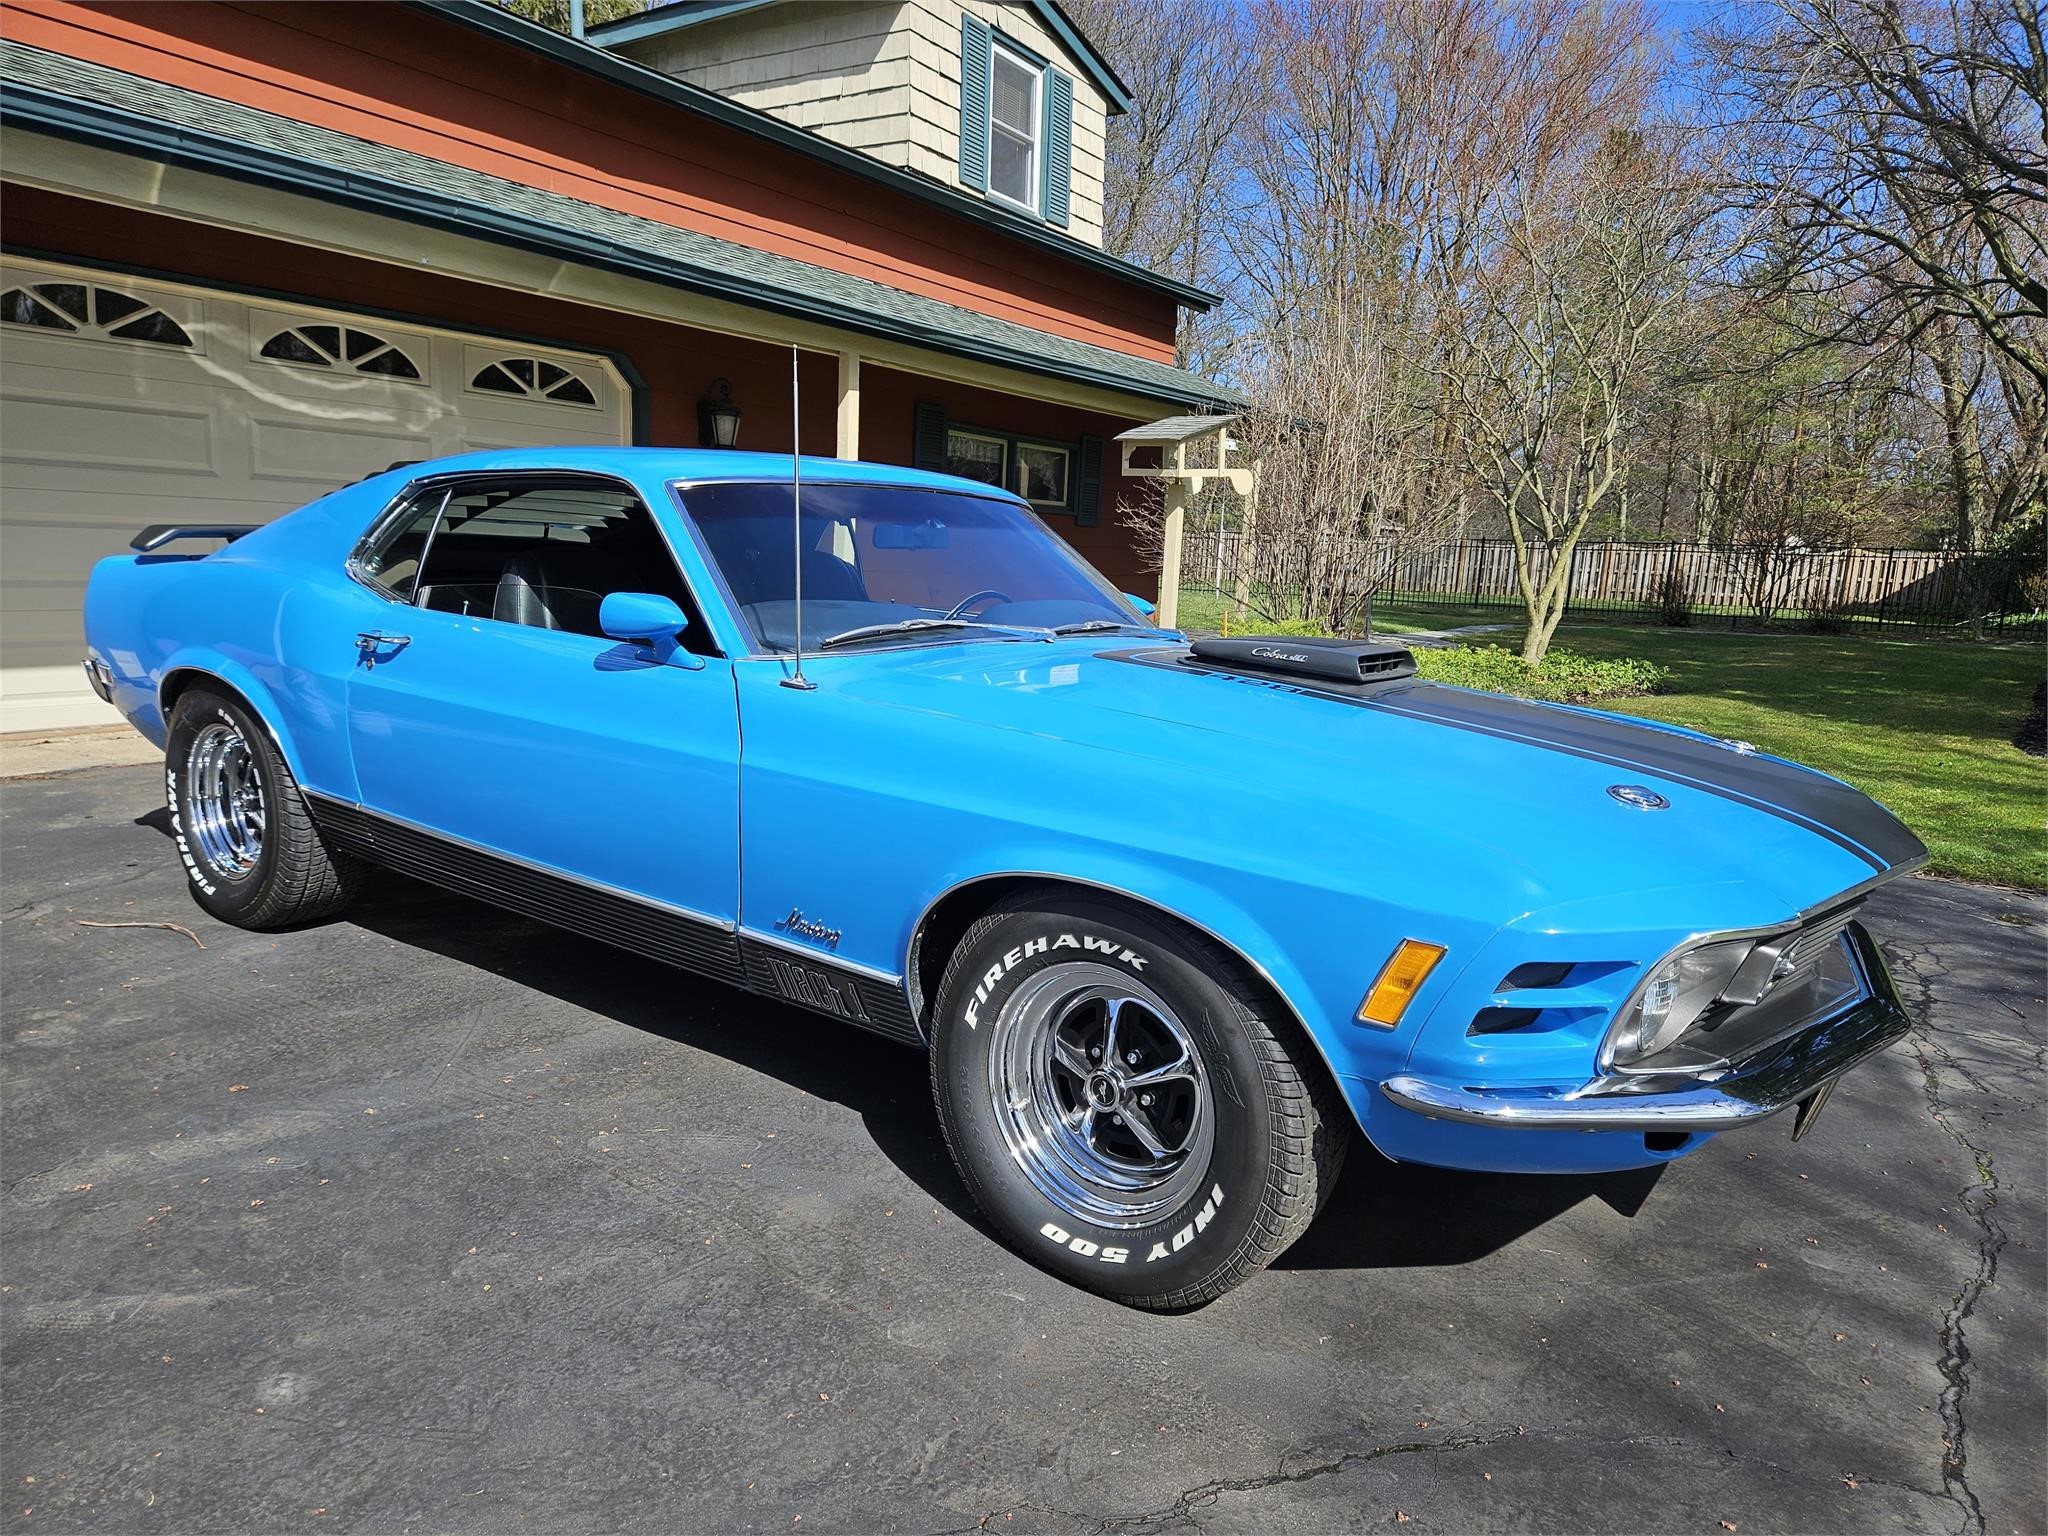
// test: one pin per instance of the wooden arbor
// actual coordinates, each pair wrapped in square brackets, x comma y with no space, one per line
[1173,437]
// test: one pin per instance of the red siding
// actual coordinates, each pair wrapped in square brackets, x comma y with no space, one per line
[408,79]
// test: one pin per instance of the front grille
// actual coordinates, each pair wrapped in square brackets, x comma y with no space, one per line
[1807,946]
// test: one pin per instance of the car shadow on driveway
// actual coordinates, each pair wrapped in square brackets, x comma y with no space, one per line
[1382,1215]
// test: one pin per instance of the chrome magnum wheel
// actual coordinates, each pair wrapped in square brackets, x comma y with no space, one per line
[1125,1100]
[1101,1094]
[225,802]
[248,843]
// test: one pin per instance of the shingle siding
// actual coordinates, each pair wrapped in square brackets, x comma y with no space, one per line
[880,76]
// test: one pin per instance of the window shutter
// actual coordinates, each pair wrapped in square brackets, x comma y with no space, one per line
[928,441]
[977,50]
[1059,147]
[1088,484]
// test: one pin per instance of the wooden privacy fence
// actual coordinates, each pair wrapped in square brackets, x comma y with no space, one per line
[1907,589]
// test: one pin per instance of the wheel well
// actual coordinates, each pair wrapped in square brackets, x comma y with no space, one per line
[183,679]
[949,918]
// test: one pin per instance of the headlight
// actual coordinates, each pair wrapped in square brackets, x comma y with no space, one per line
[1677,993]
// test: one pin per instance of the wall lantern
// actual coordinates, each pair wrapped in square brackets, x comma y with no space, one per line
[718,419]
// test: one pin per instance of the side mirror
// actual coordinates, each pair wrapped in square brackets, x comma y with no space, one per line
[645,617]
[1137,602]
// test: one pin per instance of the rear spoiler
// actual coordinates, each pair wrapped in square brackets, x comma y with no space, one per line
[157,535]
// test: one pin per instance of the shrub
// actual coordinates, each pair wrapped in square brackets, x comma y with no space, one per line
[1671,600]
[1562,676]
[1826,613]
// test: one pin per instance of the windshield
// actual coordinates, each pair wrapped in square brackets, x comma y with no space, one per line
[876,556]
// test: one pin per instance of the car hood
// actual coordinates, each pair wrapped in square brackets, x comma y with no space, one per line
[1489,790]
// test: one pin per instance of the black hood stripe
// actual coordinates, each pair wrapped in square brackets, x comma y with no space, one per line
[1812,801]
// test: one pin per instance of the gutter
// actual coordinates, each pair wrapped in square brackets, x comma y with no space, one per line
[577,54]
[40,110]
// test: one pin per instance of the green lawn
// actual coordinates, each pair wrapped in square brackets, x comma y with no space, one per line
[1924,726]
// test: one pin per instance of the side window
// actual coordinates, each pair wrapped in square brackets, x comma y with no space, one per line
[546,553]
[542,552]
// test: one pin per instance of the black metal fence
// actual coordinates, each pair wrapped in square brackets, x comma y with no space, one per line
[1851,590]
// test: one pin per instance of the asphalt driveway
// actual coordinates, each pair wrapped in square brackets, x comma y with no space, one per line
[434,1219]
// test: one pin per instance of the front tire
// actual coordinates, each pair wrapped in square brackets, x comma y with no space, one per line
[1123,1102]
[247,841]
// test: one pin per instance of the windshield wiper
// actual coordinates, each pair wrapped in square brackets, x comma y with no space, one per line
[913,626]
[1093,626]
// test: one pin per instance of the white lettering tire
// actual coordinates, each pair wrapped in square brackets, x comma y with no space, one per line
[1126,1102]
[248,844]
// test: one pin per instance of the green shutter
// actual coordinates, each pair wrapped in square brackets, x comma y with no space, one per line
[977,49]
[1088,484]
[928,439]
[1059,147]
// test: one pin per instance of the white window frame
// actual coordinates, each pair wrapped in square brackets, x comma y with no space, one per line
[1016,474]
[1035,176]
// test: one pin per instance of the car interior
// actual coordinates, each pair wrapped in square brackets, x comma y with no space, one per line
[540,555]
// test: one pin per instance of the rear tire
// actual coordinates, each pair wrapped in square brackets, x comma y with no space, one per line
[1124,1103]
[248,843]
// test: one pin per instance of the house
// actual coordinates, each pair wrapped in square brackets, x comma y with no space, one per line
[255,251]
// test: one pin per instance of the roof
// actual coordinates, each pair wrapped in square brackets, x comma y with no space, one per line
[697,464]
[71,98]
[587,57]
[1175,429]
[673,15]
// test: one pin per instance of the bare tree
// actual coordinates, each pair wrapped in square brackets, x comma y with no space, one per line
[1902,148]
[1166,162]
[1568,314]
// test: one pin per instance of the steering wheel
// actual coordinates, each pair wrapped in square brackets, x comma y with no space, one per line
[986,594]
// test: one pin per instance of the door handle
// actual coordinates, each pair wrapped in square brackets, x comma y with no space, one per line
[371,641]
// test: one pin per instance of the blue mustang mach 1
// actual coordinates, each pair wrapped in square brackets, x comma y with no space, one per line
[1172,919]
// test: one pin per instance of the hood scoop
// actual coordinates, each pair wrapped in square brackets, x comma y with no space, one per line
[1323,661]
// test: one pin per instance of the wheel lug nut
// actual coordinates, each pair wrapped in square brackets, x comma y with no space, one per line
[1144,1098]
[1094,1053]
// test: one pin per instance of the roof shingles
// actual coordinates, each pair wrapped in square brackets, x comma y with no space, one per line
[42,87]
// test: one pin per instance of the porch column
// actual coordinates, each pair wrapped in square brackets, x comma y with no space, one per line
[849,405]
[1169,559]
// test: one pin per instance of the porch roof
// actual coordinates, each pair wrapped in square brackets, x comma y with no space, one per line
[70,98]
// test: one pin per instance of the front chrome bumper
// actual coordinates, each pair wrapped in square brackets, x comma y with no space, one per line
[1776,1077]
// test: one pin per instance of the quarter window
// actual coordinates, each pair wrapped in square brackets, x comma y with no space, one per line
[88,310]
[1013,128]
[340,347]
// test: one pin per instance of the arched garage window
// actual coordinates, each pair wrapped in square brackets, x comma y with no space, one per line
[535,378]
[341,347]
[86,309]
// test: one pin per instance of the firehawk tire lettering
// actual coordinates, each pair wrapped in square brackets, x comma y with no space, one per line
[1087,943]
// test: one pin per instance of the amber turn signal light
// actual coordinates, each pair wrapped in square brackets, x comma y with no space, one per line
[1399,980]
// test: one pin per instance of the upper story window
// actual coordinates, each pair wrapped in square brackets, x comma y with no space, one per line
[1013,128]
[1016,124]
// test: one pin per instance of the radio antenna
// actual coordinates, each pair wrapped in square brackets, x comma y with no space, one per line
[796,501]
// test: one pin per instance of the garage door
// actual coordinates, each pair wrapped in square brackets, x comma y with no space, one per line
[124,403]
